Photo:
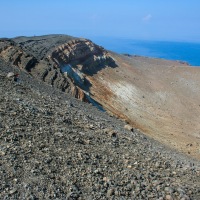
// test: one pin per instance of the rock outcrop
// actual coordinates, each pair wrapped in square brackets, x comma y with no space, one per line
[60,61]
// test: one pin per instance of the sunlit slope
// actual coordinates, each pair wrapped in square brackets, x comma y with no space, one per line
[162,98]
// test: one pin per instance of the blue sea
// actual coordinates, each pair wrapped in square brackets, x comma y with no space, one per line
[182,51]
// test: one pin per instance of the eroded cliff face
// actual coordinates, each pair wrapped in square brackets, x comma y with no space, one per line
[15,55]
[61,64]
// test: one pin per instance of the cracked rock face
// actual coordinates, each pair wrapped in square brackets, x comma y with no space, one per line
[46,57]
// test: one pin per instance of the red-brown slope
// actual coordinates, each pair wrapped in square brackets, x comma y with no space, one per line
[162,98]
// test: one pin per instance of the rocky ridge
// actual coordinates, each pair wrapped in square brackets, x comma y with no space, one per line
[48,57]
[52,146]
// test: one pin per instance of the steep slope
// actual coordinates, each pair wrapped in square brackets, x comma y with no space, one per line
[53,146]
[159,97]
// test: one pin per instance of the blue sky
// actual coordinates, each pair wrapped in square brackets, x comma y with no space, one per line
[175,20]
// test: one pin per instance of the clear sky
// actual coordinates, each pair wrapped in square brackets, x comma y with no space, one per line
[135,19]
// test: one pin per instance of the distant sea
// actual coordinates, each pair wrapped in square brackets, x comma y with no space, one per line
[182,51]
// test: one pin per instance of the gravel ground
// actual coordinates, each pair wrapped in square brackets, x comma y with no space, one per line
[53,146]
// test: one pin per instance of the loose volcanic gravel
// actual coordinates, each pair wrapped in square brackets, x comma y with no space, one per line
[55,147]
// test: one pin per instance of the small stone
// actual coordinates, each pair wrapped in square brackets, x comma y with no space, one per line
[157,164]
[112,133]
[106,179]
[168,190]
[158,188]
[10,75]
[117,193]
[97,171]
[13,191]
[2,153]
[59,134]
[185,197]
[181,191]
[91,126]
[110,192]
[168,197]
[87,141]
[80,155]
[128,127]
